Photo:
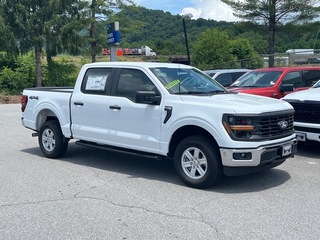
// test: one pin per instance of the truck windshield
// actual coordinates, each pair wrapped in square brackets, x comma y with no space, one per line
[187,81]
[257,79]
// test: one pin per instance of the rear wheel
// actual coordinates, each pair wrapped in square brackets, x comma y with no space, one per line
[51,141]
[197,162]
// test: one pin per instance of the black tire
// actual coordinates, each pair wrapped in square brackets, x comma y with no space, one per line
[51,141]
[193,172]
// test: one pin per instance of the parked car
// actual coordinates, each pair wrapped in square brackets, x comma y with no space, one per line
[276,82]
[313,60]
[226,76]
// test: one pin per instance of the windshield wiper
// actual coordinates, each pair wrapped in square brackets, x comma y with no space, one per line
[191,92]
[217,91]
[202,92]
[249,86]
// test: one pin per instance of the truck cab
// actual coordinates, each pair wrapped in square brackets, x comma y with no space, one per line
[276,82]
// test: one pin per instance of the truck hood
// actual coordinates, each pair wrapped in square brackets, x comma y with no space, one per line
[238,103]
[311,94]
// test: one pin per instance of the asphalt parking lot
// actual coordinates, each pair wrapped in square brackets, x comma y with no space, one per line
[98,194]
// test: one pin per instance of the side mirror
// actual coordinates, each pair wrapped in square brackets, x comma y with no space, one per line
[286,88]
[148,97]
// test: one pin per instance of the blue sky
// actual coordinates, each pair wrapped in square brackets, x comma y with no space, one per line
[207,9]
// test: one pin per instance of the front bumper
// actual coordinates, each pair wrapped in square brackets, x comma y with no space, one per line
[309,133]
[244,161]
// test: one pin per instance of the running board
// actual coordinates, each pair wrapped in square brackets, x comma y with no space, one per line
[121,150]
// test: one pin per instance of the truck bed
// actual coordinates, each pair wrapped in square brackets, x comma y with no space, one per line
[53,89]
[56,101]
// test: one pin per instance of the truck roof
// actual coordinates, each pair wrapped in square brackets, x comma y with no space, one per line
[139,64]
[287,68]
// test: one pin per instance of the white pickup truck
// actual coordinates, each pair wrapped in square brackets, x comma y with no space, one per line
[307,113]
[164,110]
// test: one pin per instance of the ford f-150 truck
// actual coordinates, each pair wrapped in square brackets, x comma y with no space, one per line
[163,110]
[307,113]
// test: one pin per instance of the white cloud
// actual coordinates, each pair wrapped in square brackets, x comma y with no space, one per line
[210,9]
[207,9]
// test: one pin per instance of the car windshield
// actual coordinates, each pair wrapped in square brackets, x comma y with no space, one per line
[257,79]
[187,81]
[317,84]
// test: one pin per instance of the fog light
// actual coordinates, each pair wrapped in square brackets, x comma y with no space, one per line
[242,156]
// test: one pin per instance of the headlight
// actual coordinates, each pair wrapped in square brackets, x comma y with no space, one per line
[239,127]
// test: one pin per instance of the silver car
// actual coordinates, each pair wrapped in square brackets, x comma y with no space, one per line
[226,76]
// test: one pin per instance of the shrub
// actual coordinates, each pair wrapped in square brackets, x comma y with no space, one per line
[59,73]
[17,75]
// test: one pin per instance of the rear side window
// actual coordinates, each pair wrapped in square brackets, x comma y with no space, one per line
[236,75]
[95,80]
[311,77]
[224,79]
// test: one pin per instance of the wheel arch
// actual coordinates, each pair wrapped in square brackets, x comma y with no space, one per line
[45,115]
[186,131]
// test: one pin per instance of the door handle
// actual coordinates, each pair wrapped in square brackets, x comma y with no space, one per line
[78,103]
[115,107]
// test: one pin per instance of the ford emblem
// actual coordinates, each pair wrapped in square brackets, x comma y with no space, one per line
[283,124]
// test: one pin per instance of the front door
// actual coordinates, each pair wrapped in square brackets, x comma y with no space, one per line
[130,124]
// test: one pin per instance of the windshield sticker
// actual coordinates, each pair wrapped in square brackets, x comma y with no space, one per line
[172,84]
[96,83]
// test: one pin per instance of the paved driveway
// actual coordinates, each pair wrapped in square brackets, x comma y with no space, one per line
[97,194]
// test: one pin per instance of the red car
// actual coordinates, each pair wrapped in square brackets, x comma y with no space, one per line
[276,82]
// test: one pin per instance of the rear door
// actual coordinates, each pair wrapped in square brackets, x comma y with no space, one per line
[310,77]
[90,106]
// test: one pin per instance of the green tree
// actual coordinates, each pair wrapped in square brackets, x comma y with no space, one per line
[99,11]
[17,74]
[213,50]
[247,56]
[272,12]
[7,40]
[31,23]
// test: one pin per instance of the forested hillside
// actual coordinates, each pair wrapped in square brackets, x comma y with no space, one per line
[163,32]
[65,32]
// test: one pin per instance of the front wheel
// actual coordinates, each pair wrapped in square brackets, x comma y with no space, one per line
[197,162]
[51,140]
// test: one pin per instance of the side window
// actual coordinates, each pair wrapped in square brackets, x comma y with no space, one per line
[95,80]
[311,77]
[131,81]
[293,78]
[224,79]
[236,75]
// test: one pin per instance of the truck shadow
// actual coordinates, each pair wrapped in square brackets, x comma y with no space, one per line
[161,170]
